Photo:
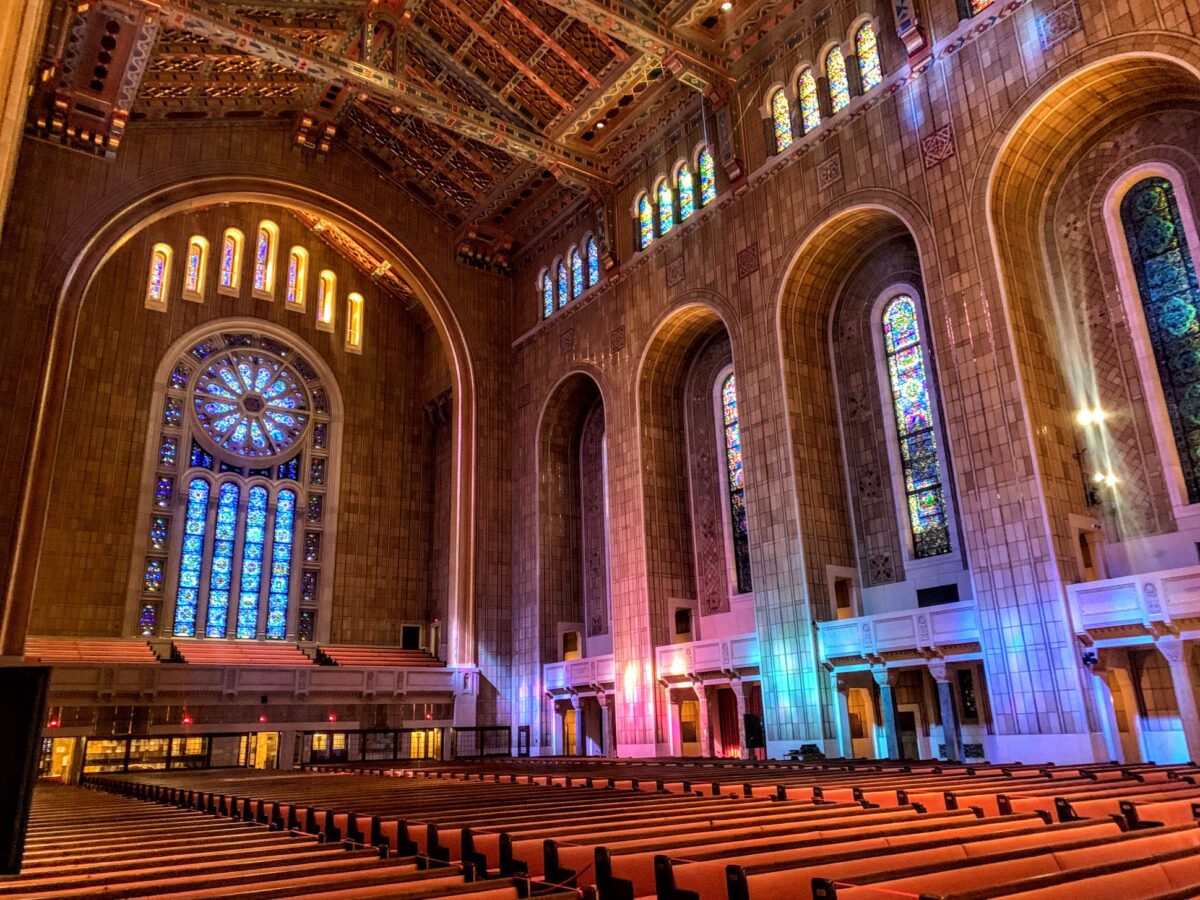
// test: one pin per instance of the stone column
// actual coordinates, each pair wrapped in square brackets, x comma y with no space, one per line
[608,725]
[841,700]
[739,694]
[674,737]
[886,679]
[704,724]
[1179,657]
[1106,711]
[580,727]
[951,730]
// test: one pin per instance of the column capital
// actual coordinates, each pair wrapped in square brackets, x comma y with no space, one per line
[939,671]
[576,701]
[838,685]
[883,677]
[1175,649]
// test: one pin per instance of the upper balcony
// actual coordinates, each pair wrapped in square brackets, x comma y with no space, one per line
[592,675]
[1137,608]
[950,631]
[708,660]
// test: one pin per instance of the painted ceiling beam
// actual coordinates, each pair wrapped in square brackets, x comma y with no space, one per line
[555,46]
[244,35]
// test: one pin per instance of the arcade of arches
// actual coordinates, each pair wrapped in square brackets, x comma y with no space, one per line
[848,405]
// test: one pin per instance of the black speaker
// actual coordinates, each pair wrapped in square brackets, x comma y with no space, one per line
[22,710]
[756,738]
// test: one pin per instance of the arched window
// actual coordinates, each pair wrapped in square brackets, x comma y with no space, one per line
[810,105]
[736,485]
[1165,270]
[564,287]
[327,302]
[354,322]
[593,261]
[913,411]
[867,50]
[195,268]
[645,221]
[547,295]
[781,120]
[666,207]
[576,272]
[296,295]
[231,261]
[159,278]
[686,190]
[259,439]
[708,176]
[264,259]
[839,86]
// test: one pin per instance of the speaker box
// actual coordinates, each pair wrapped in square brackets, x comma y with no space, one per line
[756,738]
[22,712]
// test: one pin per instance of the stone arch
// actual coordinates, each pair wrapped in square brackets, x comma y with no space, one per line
[81,253]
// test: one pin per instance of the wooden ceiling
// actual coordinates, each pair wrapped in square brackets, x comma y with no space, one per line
[498,115]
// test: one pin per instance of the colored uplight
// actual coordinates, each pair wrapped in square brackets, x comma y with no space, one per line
[187,719]
[53,723]
[332,717]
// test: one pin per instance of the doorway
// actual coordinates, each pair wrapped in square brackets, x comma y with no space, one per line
[260,750]
[906,727]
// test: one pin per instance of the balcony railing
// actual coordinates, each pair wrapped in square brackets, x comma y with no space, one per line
[732,656]
[951,628]
[578,675]
[1114,609]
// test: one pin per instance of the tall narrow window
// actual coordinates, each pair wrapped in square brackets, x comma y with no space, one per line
[708,177]
[194,268]
[547,295]
[781,120]
[1166,279]
[231,261]
[686,191]
[810,105]
[327,302]
[593,261]
[296,295]
[354,322]
[221,575]
[264,260]
[252,563]
[564,286]
[736,485]
[867,50]
[191,558]
[159,277]
[645,219]
[839,86]
[281,566]
[914,426]
[975,7]
[666,208]
[576,272]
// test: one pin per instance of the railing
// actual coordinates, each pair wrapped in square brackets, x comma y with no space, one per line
[578,674]
[1136,604]
[731,655]
[911,630]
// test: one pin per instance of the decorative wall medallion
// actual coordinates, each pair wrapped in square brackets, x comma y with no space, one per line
[747,261]
[523,394]
[938,146]
[674,272]
[829,172]
[566,341]
[880,568]
[869,485]
[617,339]
[1060,23]
[1152,604]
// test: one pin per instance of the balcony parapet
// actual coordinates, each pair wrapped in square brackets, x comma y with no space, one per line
[950,631]
[1137,608]
[592,675]
[708,660]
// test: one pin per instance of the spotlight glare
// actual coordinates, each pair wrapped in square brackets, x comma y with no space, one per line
[726,6]
[1088,416]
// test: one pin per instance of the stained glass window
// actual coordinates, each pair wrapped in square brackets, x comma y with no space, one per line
[307,627]
[148,619]
[576,272]
[666,208]
[220,576]
[191,558]
[296,295]
[252,560]
[251,404]
[563,285]
[327,301]
[168,450]
[153,576]
[159,529]
[281,566]
[195,267]
[593,262]
[781,120]
[708,177]
[159,277]
[978,6]
[547,295]
[867,51]
[354,322]
[914,425]
[685,188]
[839,86]
[1166,278]
[810,105]
[231,259]
[264,258]
[736,484]
[645,222]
